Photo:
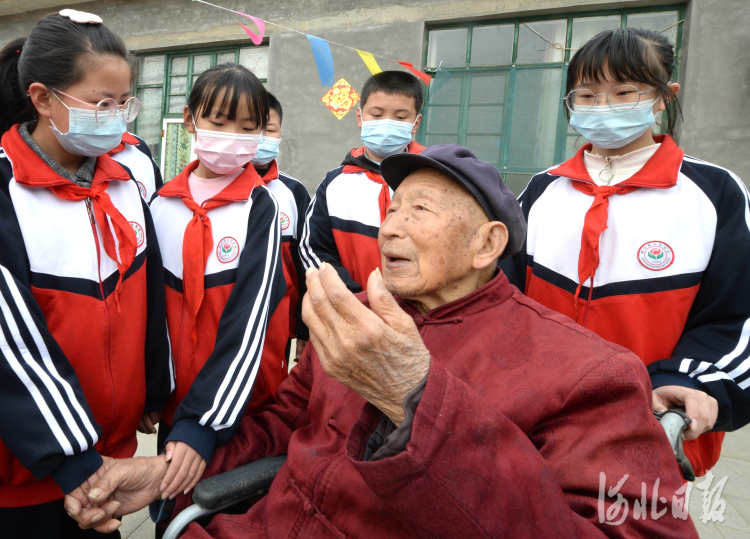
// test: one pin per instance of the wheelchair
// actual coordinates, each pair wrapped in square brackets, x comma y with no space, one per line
[253,480]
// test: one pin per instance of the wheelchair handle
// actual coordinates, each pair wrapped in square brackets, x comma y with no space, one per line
[675,422]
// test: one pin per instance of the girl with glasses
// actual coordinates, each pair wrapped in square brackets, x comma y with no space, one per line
[642,244]
[84,358]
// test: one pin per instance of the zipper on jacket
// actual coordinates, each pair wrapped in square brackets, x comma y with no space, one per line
[92,220]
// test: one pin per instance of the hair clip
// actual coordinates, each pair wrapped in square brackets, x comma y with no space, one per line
[81,17]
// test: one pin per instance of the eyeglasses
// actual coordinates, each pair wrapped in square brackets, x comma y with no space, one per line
[106,110]
[619,98]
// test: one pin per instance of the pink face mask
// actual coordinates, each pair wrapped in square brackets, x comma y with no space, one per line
[225,153]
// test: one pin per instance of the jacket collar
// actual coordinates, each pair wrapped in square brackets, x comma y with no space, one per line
[357,161]
[495,292]
[31,170]
[237,191]
[128,139]
[271,174]
[659,172]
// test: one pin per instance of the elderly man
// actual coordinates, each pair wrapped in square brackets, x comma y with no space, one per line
[443,403]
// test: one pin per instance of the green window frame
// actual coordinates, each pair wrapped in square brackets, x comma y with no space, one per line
[449,119]
[173,79]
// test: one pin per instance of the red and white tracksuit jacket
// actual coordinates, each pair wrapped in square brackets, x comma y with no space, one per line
[83,343]
[668,251]
[293,200]
[231,359]
[344,217]
[134,154]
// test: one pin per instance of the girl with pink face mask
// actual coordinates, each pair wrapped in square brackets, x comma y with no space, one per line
[226,314]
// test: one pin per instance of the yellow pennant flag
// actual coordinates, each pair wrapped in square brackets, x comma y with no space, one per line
[370,62]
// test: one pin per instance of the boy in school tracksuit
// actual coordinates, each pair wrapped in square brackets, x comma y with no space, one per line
[341,225]
[133,152]
[293,200]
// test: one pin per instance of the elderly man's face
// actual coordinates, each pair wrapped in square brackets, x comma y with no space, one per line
[429,238]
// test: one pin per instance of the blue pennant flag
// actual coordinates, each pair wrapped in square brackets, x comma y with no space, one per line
[324,60]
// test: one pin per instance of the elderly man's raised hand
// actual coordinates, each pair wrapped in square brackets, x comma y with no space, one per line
[377,352]
[128,485]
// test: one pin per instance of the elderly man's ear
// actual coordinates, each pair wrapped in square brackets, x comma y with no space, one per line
[493,237]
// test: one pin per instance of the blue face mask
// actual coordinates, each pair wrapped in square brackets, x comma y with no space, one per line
[386,137]
[268,150]
[85,136]
[613,127]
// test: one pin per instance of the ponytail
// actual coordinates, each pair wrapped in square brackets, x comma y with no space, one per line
[54,54]
[15,106]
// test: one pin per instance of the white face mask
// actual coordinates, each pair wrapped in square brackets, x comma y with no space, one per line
[225,153]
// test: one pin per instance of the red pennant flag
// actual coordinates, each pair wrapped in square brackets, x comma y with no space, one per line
[423,76]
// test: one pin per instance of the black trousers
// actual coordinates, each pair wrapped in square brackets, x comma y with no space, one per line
[45,521]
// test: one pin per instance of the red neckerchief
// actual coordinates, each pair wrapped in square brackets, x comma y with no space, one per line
[198,240]
[30,170]
[384,198]
[659,172]
[271,174]
[127,138]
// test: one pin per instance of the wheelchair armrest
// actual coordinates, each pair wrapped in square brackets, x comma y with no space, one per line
[674,423]
[238,484]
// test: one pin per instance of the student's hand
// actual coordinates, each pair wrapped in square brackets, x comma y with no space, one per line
[300,348]
[148,422]
[186,468]
[702,408]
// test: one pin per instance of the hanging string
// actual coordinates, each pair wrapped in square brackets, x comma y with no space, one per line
[558,46]
[670,27]
[298,32]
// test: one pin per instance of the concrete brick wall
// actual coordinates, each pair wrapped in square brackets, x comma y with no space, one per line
[715,70]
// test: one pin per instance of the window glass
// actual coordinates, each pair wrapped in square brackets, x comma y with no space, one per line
[225,58]
[517,182]
[148,124]
[151,70]
[178,86]
[432,140]
[201,62]
[176,104]
[445,91]
[448,46]
[536,39]
[256,60]
[492,45]
[485,119]
[536,106]
[443,120]
[179,66]
[664,22]
[584,28]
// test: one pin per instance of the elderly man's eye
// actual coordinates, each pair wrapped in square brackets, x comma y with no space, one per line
[420,208]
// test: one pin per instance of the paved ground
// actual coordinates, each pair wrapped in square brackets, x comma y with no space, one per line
[734,463]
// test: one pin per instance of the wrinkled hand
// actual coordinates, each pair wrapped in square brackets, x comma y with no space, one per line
[127,486]
[186,468]
[377,352]
[148,422]
[702,408]
[300,348]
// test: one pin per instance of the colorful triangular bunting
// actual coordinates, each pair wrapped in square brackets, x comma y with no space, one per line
[323,59]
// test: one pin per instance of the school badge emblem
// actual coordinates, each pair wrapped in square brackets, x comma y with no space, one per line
[284,220]
[655,255]
[138,233]
[142,189]
[227,250]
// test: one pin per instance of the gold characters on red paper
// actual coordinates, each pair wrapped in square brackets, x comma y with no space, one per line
[341,98]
